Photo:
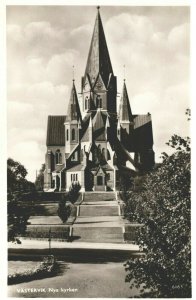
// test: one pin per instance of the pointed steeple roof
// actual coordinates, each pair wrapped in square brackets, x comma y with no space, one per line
[98,58]
[125,113]
[107,124]
[73,111]
[87,136]
[99,120]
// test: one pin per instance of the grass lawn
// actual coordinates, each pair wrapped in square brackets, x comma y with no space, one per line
[21,266]
[89,280]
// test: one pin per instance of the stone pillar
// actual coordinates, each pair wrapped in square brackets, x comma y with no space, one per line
[49,160]
[82,181]
[95,182]
[114,179]
[55,182]
[60,182]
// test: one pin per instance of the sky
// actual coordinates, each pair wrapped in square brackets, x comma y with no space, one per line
[44,42]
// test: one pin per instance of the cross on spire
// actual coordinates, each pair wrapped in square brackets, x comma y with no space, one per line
[73,72]
[124,72]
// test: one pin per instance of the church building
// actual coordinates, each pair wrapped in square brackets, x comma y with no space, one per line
[95,144]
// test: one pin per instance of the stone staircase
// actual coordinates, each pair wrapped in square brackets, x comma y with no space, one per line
[99,219]
[98,210]
[98,234]
[100,196]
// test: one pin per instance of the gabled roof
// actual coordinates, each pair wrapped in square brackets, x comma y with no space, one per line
[143,136]
[99,128]
[56,131]
[125,113]
[99,120]
[59,168]
[73,110]
[99,84]
[104,168]
[88,131]
[100,170]
[98,58]
[78,167]
[100,135]
[87,84]
[72,151]
[122,152]
[140,120]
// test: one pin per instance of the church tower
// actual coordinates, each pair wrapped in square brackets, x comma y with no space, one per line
[125,123]
[72,123]
[93,145]
[99,82]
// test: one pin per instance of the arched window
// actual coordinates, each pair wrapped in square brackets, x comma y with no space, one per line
[86,102]
[67,134]
[114,159]
[109,157]
[73,110]
[104,153]
[73,134]
[58,157]
[99,102]
[82,154]
[99,152]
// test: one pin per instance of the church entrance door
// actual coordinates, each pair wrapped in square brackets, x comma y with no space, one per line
[99,182]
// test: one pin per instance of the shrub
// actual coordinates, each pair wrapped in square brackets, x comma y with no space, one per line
[64,210]
[74,192]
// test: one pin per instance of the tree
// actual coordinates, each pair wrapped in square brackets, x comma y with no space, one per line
[16,174]
[17,184]
[39,182]
[16,181]
[163,206]
[18,216]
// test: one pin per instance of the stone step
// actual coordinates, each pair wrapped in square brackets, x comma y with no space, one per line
[98,230]
[92,196]
[105,203]
[57,232]
[98,210]
[99,221]
[45,220]
[98,234]
[100,240]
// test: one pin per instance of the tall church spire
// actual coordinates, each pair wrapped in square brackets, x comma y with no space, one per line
[125,113]
[73,111]
[98,58]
